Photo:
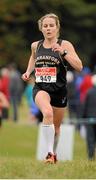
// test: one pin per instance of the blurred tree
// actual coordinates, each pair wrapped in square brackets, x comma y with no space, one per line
[18,27]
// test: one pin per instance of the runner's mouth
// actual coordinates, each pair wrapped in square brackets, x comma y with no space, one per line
[48,33]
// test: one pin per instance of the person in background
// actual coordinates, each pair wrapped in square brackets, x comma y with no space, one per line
[3,104]
[85,84]
[15,89]
[5,79]
[72,101]
[49,57]
[89,114]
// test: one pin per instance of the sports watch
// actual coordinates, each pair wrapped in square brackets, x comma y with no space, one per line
[64,53]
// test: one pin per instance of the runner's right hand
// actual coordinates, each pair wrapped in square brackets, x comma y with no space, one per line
[26,76]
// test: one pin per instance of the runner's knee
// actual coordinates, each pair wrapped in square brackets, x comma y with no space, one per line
[48,115]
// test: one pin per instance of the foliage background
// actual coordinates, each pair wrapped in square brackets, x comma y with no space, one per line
[18,27]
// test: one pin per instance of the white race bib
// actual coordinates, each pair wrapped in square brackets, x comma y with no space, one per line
[45,74]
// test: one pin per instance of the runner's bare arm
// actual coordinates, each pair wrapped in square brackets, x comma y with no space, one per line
[71,56]
[31,62]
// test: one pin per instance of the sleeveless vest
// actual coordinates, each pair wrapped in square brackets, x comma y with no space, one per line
[50,69]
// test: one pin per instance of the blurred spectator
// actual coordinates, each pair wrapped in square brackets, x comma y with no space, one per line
[89,112]
[5,79]
[85,84]
[5,82]
[3,104]
[34,113]
[78,80]
[82,84]
[72,102]
[15,88]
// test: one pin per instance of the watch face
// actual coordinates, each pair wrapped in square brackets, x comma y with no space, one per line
[65,52]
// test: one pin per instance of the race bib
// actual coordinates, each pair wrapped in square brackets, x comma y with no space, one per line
[45,74]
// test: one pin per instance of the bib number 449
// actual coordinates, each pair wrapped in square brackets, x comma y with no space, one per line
[45,74]
[45,78]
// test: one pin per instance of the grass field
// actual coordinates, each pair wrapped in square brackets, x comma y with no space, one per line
[18,144]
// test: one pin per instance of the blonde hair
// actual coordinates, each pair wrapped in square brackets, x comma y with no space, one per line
[50,15]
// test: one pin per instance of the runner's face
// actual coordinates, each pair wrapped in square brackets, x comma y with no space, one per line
[49,28]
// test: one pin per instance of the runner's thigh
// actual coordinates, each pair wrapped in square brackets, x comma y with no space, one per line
[42,100]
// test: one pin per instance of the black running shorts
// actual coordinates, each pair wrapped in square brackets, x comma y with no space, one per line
[58,98]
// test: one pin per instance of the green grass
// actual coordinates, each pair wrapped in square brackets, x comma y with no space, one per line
[18,144]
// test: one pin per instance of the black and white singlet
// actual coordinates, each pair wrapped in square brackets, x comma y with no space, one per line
[50,73]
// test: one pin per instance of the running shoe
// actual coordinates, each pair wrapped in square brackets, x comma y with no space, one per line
[51,158]
[55,158]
